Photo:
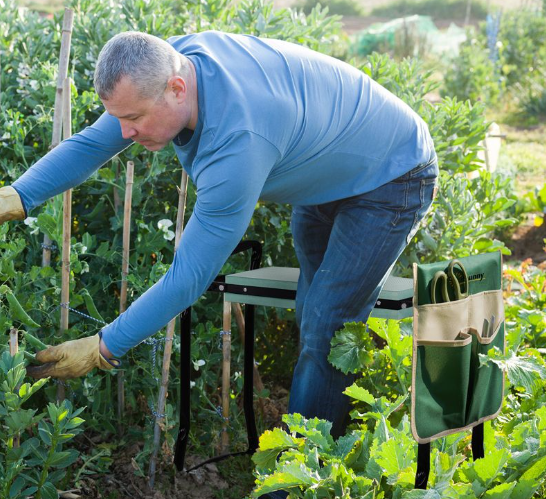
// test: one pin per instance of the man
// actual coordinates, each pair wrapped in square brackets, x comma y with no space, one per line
[253,119]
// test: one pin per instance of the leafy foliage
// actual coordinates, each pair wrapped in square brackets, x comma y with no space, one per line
[30,465]
[377,456]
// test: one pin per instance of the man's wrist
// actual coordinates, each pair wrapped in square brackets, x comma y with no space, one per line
[103,349]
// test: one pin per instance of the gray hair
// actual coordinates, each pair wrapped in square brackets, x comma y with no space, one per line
[146,60]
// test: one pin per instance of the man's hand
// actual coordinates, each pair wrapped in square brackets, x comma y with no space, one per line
[11,206]
[71,359]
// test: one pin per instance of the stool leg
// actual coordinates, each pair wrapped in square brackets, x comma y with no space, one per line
[248,384]
[226,354]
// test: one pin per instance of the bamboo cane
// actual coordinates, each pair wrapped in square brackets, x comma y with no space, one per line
[226,373]
[13,349]
[64,57]
[124,274]
[67,228]
[168,339]
[117,199]
[258,384]
[13,341]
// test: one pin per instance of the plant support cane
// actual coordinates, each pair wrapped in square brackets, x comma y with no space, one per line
[124,274]
[13,349]
[67,229]
[64,57]
[168,339]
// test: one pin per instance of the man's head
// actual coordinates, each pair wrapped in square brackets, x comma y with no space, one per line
[148,86]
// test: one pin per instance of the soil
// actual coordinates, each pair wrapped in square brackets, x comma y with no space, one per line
[528,242]
[122,481]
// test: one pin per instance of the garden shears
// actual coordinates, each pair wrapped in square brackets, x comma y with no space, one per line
[449,280]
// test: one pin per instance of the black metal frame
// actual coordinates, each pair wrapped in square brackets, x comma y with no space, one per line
[248,382]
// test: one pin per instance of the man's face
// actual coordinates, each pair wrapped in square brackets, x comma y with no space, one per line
[150,122]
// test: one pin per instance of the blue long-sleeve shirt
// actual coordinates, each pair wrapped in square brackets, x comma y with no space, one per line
[276,121]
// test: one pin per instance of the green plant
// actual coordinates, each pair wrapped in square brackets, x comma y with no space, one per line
[472,75]
[31,466]
[531,95]
[377,456]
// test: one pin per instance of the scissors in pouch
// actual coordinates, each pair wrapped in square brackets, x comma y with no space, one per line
[449,280]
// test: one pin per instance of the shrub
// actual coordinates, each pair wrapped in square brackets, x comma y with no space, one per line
[30,465]
[472,75]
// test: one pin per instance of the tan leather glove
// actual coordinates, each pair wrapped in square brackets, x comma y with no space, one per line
[11,207]
[71,359]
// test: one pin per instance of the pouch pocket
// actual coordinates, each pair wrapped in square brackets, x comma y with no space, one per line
[486,383]
[444,321]
[450,389]
[441,381]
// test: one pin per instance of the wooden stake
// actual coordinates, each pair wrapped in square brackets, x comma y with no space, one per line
[117,199]
[64,57]
[124,274]
[67,227]
[168,340]
[13,341]
[13,349]
[258,384]
[126,234]
[226,373]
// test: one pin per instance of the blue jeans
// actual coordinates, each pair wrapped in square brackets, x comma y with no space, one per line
[346,250]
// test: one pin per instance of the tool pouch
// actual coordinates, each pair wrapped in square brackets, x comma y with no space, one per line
[451,391]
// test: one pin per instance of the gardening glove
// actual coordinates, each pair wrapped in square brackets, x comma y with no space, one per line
[71,359]
[11,207]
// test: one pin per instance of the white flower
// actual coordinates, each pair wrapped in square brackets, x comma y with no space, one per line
[198,363]
[163,226]
[31,222]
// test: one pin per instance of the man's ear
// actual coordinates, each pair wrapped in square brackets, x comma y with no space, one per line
[176,86]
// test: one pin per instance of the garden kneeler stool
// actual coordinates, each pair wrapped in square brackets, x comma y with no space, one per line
[458,314]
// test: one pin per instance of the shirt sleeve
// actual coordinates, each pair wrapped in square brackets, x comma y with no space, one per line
[71,162]
[229,181]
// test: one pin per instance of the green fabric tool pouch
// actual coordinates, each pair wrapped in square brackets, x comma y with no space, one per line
[451,392]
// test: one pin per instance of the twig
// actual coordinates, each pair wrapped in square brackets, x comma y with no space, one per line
[168,340]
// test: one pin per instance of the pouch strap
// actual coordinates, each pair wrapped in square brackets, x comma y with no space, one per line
[477,442]
[423,466]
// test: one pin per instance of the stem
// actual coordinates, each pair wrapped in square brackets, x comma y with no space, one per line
[45,470]
[85,463]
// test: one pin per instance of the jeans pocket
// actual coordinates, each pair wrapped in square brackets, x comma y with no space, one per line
[427,193]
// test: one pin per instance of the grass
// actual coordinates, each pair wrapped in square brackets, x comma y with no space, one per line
[523,153]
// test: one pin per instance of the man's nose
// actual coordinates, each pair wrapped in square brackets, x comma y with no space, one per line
[127,130]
